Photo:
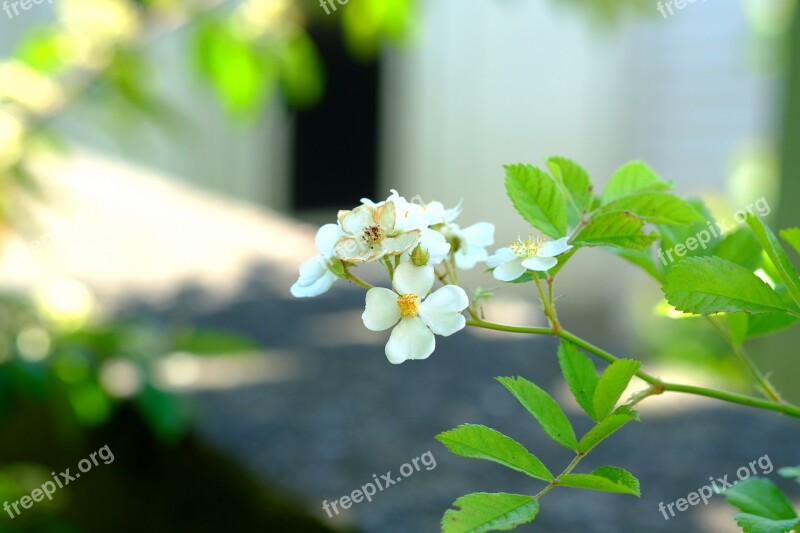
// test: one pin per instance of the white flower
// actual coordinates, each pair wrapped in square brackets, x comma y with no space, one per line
[469,243]
[371,232]
[416,316]
[316,274]
[511,262]
[411,216]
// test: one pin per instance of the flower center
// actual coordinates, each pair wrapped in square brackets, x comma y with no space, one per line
[408,304]
[373,235]
[529,248]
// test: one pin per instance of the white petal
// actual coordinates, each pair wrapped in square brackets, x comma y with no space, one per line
[434,213]
[503,255]
[353,222]
[347,248]
[381,310]
[410,279]
[452,214]
[327,237]
[435,244]
[441,311]
[388,215]
[410,339]
[401,243]
[554,248]
[479,234]
[467,258]
[315,278]
[540,264]
[509,271]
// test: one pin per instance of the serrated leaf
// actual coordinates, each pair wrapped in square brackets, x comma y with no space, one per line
[606,479]
[482,511]
[577,185]
[480,442]
[777,255]
[751,523]
[580,374]
[632,178]
[760,497]
[612,384]
[656,208]
[708,285]
[792,236]
[544,409]
[607,427]
[621,230]
[537,198]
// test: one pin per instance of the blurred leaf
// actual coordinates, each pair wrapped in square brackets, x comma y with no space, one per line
[481,442]
[302,72]
[481,512]
[760,497]
[643,259]
[792,236]
[751,523]
[90,403]
[164,413]
[211,342]
[791,472]
[740,247]
[39,48]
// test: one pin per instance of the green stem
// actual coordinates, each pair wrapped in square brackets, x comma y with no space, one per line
[355,279]
[566,471]
[739,350]
[658,385]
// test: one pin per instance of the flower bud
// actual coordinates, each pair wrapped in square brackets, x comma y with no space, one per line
[419,256]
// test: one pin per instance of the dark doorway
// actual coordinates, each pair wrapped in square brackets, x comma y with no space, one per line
[335,153]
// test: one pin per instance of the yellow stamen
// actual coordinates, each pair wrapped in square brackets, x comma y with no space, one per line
[408,304]
[529,248]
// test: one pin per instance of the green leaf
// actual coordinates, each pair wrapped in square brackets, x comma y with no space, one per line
[302,73]
[537,198]
[707,285]
[751,523]
[621,230]
[576,184]
[482,511]
[767,323]
[606,479]
[792,236]
[612,384]
[580,374]
[544,409]
[777,255]
[760,497]
[656,208]
[607,427]
[632,178]
[740,247]
[481,442]
[643,259]
[738,324]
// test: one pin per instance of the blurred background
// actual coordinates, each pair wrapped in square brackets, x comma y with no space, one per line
[164,165]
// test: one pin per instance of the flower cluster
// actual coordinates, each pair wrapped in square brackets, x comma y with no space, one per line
[418,243]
